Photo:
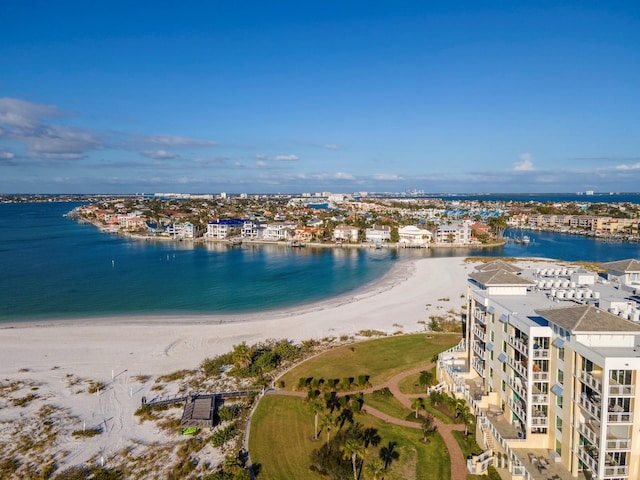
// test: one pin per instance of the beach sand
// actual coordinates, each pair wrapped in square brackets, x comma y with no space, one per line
[44,356]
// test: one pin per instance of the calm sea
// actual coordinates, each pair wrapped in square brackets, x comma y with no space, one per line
[54,267]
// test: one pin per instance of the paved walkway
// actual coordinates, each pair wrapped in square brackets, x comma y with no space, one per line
[458,462]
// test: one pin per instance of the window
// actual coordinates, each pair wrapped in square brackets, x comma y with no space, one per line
[559,401]
[558,424]
[504,327]
[492,335]
[490,372]
[561,353]
[559,447]
[504,386]
[560,376]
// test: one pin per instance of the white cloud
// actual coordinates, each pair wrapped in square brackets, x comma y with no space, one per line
[6,154]
[159,154]
[632,166]
[343,176]
[262,156]
[387,176]
[526,163]
[261,163]
[287,158]
[331,146]
[21,114]
[173,141]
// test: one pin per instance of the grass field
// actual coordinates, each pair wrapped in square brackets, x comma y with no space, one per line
[391,406]
[281,443]
[381,358]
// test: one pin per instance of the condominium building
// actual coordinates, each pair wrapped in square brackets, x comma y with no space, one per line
[550,369]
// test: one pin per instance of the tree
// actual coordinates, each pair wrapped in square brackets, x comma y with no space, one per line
[418,404]
[316,406]
[374,469]
[242,355]
[466,417]
[354,448]
[327,422]
[426,378]
[498,225]
[388,454]
[428,426]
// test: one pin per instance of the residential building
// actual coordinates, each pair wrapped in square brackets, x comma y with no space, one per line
[550,374]
[412,236]
[458,233]
[345,233]
[224,228]
[279,231]
[378,234]
[182,230]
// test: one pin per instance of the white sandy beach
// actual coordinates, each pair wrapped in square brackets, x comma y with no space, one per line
[45,354]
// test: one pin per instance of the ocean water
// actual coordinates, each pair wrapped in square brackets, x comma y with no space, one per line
[54,267]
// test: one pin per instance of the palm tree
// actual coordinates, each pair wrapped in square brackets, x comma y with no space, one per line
[418,404]
[315,405]
[426,378]
[388,454]
[374,469]
[242,355]
[327,422]
[428,426]
[354,448]
[498,225]
[466,417]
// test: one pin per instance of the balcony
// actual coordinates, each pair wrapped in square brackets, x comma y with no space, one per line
[619,417]
[539,421]
[478,349]
[540,376]
[616,390]
[589,432]
[619,444]
[517,366]
[519,344]
[480,315]
[616,471]
[590,379]
[589,407]
[480,333]
[517,386]
[517,408]
[589,456]
[478,365]
[540,398]
[541,353]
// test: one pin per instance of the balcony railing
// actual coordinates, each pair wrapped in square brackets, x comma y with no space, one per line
[587,459]
[517,366]
[481,334]
[539,421]
[518,387]
[519,345]
[477,365]
[590,380]
[589,407]
[540,376]
[479,315]
[541,353]
[620,417]
[587,431]
[619,444]
[622,390]
[517,409]
[540,398]
[477,348]
[616,471]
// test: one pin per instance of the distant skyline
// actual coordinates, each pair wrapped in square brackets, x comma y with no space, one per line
[283,97]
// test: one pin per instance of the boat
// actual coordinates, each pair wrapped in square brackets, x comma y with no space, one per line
[235,241]
[523,240]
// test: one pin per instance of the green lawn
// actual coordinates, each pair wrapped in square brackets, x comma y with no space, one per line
[411,385]
[280,442]
[390,405]
[381,358]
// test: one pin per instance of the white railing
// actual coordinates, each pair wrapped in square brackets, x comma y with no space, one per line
[620,417]
[539,421]
[517,366]
[481,334]
[622,390]
[478,349]
[518,387]
[588,460]
[615,471]
[619,444]
[540,376]
[539,398]
[519,345]
[479,315]
[590,380]
[589,407]
[517,409]
[588,433]
[477,365]
[541,353]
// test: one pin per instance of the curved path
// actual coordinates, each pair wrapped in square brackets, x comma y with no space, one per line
[458,462]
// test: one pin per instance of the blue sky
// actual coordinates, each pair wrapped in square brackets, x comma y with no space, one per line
[304,96]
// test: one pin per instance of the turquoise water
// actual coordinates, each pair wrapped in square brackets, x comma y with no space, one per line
[54,267]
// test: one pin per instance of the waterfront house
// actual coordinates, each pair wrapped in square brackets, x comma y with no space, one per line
[458,233]
[182,230]
[279,231]
[412,236]
[345,233]
[624,272]
[378,234]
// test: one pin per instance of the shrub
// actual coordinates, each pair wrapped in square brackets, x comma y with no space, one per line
[223,435]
